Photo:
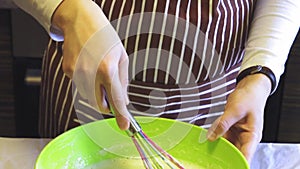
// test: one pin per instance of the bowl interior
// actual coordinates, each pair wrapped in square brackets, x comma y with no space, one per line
[102,140]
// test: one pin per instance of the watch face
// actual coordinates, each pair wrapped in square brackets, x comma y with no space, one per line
[255,69]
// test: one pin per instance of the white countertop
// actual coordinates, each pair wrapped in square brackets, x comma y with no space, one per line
[276,156]
[16,152]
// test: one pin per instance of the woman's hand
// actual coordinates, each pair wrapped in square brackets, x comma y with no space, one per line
[242,121]
[102,76]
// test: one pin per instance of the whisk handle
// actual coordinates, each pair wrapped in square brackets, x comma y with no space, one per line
[134,126]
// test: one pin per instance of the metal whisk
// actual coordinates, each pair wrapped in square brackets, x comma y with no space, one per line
[152,155]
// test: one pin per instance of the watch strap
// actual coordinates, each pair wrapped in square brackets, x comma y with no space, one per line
[258,69]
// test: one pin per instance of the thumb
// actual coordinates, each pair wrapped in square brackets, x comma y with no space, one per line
[221,125]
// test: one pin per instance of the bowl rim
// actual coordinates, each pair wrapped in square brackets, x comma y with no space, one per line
[138,118]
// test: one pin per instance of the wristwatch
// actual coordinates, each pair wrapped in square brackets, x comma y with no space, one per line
[258,69]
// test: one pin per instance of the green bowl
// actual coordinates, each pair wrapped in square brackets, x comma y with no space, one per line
[102,141]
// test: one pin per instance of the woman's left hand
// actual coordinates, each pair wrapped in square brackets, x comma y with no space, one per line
[242,121]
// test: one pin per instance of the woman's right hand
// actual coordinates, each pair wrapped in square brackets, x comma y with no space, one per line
[80,20]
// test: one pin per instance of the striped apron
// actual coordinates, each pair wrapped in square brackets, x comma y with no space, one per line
[184,56]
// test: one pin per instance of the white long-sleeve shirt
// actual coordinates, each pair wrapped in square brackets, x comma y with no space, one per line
[272,32]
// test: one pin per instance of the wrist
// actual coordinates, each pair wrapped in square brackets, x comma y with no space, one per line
[76,14]
[260,82]
[265,71]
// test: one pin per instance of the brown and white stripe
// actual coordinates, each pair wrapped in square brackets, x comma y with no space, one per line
[182,70]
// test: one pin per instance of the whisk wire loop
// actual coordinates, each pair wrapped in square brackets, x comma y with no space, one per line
[152,155]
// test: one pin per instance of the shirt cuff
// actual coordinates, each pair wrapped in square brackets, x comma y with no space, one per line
[273,29]
[42,11]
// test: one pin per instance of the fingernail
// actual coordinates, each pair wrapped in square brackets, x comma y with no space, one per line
[126,125]
[211,135]
[202,137]
[123,125]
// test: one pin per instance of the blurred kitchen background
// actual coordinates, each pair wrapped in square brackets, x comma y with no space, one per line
[22,44]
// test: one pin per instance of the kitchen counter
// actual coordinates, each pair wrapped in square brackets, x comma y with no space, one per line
[20,153]
[16,153]
[276,156]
